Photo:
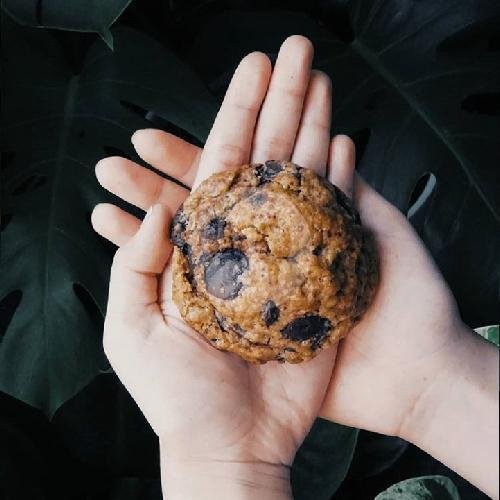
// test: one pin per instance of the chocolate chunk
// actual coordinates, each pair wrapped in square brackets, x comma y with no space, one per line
[187,251]
[270,313]
[177,229]
[204,258]
[223,272]
[214,229]
[335,265]
[317,250]
[268,171]
[297,173]
[316,342]
[310,327]
[257,199]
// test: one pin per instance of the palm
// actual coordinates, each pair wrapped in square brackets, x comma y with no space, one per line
[267,408]
[404,329]
[284,117]
[256,406]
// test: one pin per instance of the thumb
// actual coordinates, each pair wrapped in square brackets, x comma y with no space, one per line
[133,286]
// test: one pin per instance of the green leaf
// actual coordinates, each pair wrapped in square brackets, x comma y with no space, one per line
[74,15]
[374,454]
[322,462]
[57,125]
[422,488]
[490,333]
[425,86]
[417,88]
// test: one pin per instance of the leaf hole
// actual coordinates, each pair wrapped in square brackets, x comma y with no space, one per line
[482,104]
[30,184]
[5,221]
[135,109]
[421,193]
[108,245]
[161,123]
[8,307]
[172,128]
[112,151]
[360,139]
[89,305]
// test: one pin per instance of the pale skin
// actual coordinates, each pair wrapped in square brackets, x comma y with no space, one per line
[228,429]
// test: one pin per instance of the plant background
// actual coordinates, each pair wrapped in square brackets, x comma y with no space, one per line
[416,84]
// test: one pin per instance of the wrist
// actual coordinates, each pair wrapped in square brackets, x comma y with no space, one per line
[464,369]
[200,478]
[455,418]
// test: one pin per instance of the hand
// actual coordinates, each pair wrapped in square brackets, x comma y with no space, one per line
[394,353]
[410,367]
[211,410]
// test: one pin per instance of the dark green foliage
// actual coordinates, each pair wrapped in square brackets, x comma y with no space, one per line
[57,126]
[374,454]
[72,15]
[322,461]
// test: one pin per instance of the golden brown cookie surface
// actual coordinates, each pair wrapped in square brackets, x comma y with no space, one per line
[271,263]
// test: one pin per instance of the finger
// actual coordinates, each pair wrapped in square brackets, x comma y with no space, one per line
[133,287]
[230,139]
[313,137]
[138,185]
[375,211]
[280,115]
[168,153]
[341,163]
[114,224]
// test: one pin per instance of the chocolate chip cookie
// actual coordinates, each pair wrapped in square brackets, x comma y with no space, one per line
[271,262]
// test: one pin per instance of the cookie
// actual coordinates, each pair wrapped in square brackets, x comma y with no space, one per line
[270,262]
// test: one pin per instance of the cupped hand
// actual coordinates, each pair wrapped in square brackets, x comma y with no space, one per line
[393,355]
[206,405]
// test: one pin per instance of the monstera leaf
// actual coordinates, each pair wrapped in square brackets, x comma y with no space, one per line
[490,333]
[422,488]
[374,454]
[57,125]
[322,461]
[416,84]
[73,15]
